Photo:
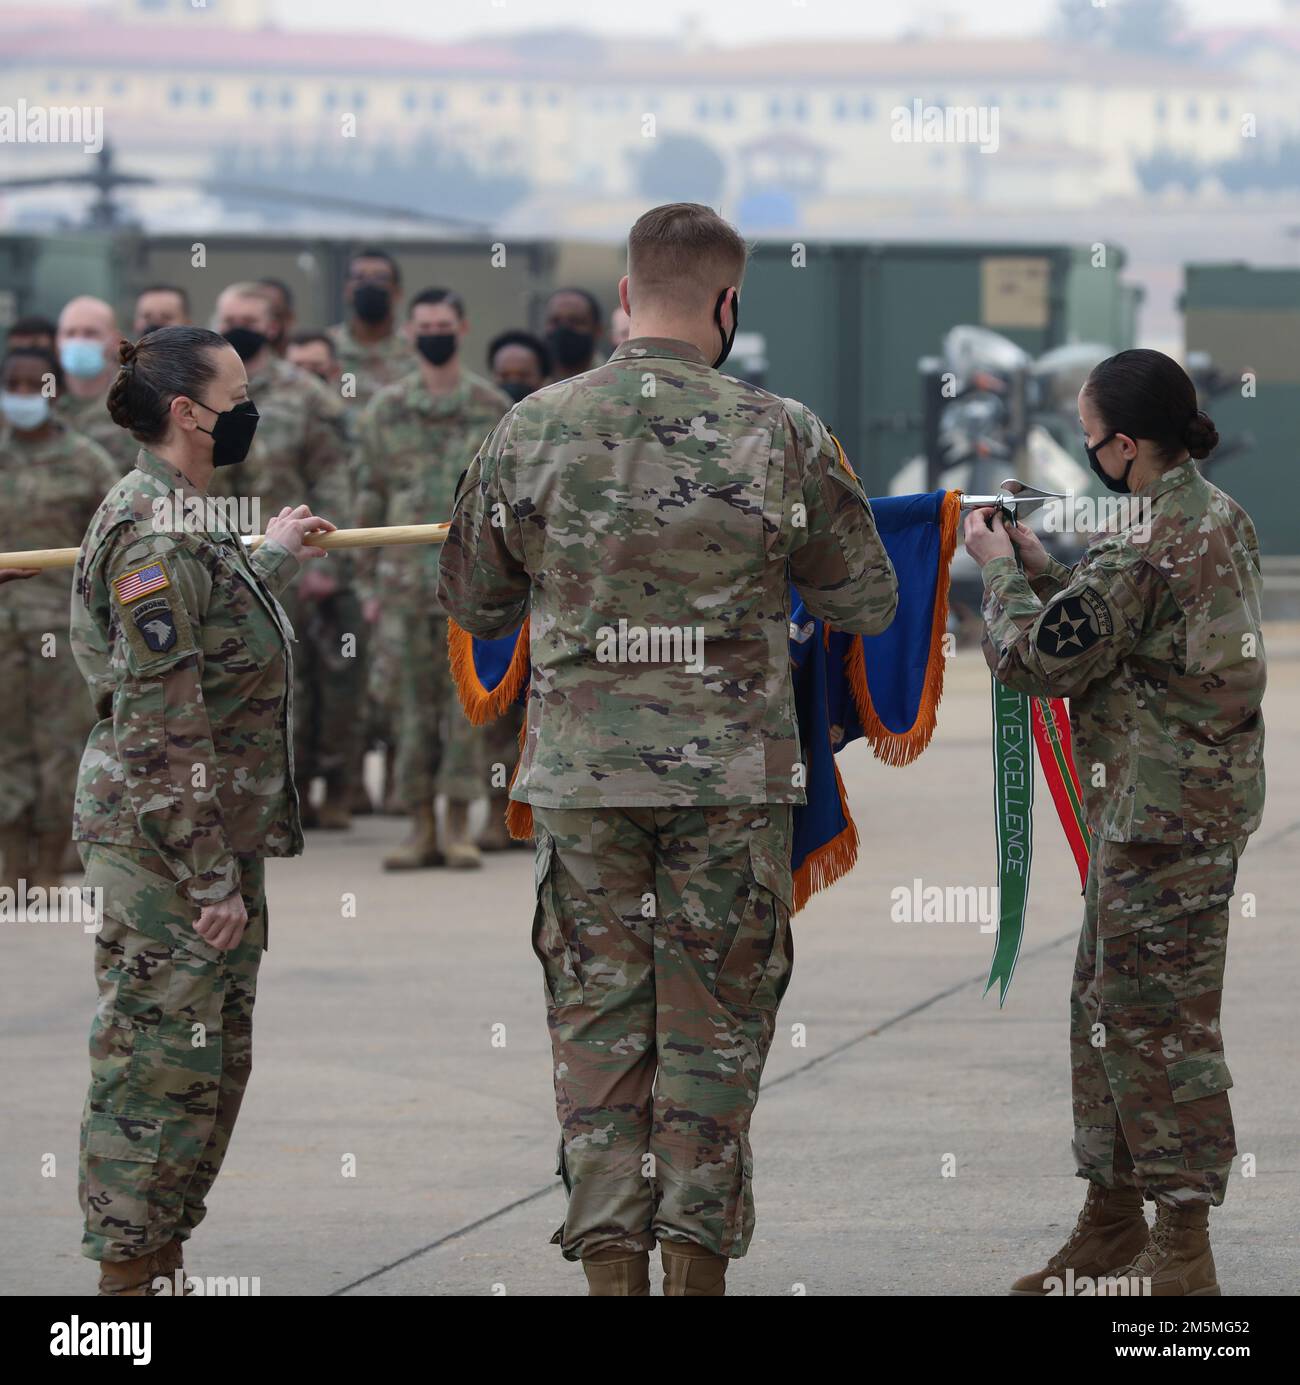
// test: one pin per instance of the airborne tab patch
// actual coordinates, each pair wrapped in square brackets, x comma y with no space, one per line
[156,624]
[131,586]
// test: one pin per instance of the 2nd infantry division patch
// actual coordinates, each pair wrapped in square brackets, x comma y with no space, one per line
[1074,624]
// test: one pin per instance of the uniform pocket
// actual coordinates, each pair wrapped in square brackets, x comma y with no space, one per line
[1199,1088]
[121,1158]
[756,970]
[550,940]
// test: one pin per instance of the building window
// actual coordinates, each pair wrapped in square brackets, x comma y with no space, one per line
[257,98]
[866,109]
[1225,112]
[286,98]
[1193,110]
[1162,110]
[204,95]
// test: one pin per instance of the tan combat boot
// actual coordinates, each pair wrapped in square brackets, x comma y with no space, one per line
[495,835]
[335,811]
[462,854]
[16,846]
[50,850]
[692,1271]
[420,850]
[133,1278]
[171,1262]
[1177,1258]
[1110,1231]
[617,1273]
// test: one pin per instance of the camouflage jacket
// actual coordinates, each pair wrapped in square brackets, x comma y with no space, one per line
[414,447]
[649,516]
[1155,638]
[186,653]
[369,367]
[90,416]
[49,492]
[298,454]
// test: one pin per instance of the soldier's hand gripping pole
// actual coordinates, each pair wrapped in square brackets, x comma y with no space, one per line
[51,559]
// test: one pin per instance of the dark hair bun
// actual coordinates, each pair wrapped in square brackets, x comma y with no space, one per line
[119,392]
[1201,437]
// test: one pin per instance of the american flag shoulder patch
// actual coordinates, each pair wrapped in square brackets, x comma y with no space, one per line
[131,586]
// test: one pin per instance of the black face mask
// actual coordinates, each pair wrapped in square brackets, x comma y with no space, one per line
[246,341]
[1117,484]
[516,389]
[735,322]
[437,348]
[232,433]
[372,303]
[571,348]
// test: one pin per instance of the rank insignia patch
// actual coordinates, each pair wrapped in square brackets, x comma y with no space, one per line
[131,586]
[1074,624]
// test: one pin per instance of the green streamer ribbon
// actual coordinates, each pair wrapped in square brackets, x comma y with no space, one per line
[1013,798]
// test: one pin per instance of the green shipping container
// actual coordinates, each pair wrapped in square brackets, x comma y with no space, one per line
[1248,321]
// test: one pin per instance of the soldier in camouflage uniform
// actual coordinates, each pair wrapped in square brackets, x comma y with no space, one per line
[51,482]
[648,517]
[186,783]
[298,454]
[371,354]
[88,338]
[417,438]
[1155,638]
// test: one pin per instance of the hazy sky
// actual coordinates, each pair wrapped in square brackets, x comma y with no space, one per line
[721,20]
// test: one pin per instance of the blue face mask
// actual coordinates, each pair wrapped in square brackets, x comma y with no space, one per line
[25,412]
[82,357]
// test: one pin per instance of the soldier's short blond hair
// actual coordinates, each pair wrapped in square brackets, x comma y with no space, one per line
[684,254]
[250,288]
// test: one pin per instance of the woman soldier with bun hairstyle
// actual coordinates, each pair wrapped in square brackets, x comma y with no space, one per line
[185,786]
[1155,639]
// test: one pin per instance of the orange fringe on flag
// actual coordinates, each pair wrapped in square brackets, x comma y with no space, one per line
[481,704]
[902,747]
[832,859]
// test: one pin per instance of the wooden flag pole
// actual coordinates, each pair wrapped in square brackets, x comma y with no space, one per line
[51,559]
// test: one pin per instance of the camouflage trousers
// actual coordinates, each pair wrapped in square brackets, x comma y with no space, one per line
[438,751]
[664,938]
[1150,1084]
[171,1048]
[329,687]
[45,717]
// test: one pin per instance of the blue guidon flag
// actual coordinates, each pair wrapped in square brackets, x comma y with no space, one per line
[884,688]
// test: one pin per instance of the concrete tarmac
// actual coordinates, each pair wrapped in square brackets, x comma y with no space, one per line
[399,1132]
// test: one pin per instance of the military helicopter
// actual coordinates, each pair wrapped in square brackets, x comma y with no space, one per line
[105,212]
